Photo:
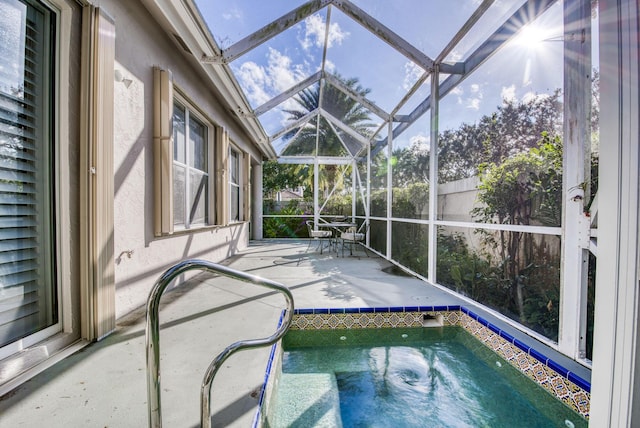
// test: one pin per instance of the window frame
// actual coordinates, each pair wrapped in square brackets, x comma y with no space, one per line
[191,111]
[239,185]
[56,134]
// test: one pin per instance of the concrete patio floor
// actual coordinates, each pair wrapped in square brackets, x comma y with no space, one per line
[104,384]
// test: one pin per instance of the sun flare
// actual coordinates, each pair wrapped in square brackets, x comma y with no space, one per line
[531,36]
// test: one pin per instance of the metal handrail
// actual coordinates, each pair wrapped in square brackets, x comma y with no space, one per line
[152,333]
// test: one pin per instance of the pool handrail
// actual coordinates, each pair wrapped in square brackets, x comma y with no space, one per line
[152,334]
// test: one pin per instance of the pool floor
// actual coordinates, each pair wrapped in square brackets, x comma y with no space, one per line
[405,377]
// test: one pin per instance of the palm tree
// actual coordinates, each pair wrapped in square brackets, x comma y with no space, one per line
[339,105]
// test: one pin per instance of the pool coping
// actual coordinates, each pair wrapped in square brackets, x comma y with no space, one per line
[566,386]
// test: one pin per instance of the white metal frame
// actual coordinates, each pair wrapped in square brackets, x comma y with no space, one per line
[615,400]
[616,334]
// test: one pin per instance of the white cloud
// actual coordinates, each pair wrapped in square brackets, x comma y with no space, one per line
[261,83]
[253,79]
[234,13]
[281,72]
[532,96]
[458,91]
[329,66]
[454,56]
[473,103]
[314,33]
[336,35]
[412,73]
[420,142]
[508,93]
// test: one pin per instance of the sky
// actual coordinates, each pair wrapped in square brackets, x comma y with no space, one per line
[529,66]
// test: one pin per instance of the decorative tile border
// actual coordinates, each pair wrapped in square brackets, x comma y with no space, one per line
[568,387]
[349,318]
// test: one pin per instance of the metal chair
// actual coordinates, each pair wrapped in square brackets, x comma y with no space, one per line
[353,236]
[319,235]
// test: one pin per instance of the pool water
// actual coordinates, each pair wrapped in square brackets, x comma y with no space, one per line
[405,377]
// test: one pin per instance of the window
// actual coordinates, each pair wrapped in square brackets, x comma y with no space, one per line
[184,182]
[28,291]
[190,169]
[235,199]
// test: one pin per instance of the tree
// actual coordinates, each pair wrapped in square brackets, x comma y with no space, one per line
[339,105]
[277,176]
[410,165]
[524,189]
[514,128]
[330,139]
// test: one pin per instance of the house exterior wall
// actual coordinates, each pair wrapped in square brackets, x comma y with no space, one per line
[140,257]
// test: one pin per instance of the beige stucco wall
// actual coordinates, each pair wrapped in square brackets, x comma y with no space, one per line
[141,45]
[456,199]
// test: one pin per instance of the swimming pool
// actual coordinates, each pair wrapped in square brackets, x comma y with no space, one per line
[335,370]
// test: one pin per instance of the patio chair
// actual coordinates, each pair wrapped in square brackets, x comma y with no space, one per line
[318,235]
[353,236]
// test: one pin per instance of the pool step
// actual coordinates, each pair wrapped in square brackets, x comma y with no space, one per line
[319,406]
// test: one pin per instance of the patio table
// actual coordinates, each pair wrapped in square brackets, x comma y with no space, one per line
[338,226]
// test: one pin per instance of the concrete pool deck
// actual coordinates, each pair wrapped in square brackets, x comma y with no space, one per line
[104,384]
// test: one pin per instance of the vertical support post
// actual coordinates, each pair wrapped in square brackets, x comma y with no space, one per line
[316,169]
[316,205]
[354,189]
[615,379]
[368,201]
[576,159]
[433,175]
[389,188]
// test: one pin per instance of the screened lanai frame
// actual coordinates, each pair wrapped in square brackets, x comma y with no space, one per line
[440,74]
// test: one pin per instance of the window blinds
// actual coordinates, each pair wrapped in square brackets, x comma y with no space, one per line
[27,285]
